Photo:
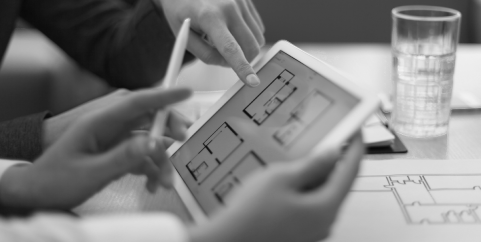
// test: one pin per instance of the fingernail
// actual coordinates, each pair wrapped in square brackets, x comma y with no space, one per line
[253,80]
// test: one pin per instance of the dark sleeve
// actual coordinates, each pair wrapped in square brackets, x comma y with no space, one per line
[21,138]
[127,45]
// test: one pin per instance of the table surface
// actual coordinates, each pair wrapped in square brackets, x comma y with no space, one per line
[368,65]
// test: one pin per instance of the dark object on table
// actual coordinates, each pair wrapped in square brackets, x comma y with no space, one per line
[396,147]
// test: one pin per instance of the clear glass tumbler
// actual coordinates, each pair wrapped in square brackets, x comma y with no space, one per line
[424,41]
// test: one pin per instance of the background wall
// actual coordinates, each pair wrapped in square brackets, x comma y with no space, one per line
[348,20]
[36,76]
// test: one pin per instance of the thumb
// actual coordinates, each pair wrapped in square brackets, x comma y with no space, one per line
[314,170]
[126,156]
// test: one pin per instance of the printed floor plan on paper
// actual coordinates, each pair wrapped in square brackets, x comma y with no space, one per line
[430,199]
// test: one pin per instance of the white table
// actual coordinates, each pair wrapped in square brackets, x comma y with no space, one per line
[368,65]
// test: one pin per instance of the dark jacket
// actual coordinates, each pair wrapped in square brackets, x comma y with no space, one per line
[127,44]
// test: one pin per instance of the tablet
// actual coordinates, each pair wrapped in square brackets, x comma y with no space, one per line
[302,105]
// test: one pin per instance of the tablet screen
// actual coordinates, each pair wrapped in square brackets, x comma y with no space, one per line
[282,119]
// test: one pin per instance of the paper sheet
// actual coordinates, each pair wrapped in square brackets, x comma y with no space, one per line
[413,200]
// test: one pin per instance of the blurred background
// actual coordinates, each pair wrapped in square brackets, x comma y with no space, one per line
[37,76]
[351,20]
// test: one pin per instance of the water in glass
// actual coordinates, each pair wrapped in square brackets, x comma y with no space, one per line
[422,93]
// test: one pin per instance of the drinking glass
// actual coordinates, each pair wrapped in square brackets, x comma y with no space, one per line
[424,41]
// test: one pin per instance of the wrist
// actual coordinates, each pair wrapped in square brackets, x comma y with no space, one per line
[52,128]
[14,188]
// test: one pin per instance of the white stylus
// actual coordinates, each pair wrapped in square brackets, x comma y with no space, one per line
[170,78]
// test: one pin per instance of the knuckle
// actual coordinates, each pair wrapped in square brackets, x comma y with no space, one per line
[209,14]
[230,48]
[229,5]
[244,68]
[210,57]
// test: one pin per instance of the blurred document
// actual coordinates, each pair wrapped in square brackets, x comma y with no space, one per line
[413,200]
[375,134]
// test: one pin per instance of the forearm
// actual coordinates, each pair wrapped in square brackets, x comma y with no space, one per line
[128,46]
[21,138]
[143,54]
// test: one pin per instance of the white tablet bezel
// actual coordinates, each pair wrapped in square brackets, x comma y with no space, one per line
[368,103]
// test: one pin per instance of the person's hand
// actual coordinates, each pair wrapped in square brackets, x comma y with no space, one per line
[95,150]
[296,201]
[55,126]
[233,26]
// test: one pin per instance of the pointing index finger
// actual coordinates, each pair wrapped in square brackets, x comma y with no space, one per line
[232,53]
[139,103]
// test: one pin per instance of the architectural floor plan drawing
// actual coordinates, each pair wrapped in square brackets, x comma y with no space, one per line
[271,98]
[217,148]
[301,117]
[430,199]
[244,167]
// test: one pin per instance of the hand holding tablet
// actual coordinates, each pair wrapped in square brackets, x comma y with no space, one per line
[302,106]
[274,204]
